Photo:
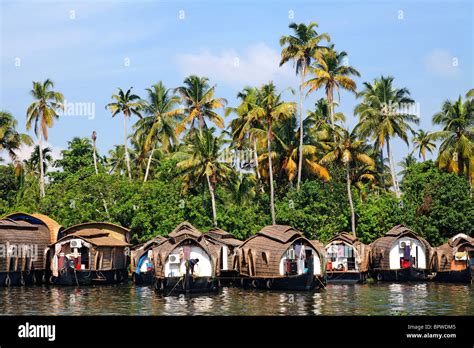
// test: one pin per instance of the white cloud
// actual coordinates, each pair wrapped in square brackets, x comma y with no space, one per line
[442,63]
[255,65]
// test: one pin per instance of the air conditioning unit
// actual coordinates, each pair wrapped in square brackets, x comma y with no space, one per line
[291,254]
[174,259]
[76,243]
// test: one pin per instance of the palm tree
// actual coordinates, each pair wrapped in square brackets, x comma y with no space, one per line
[286,152]
[423,142]
[158,127]
[406,163]
[94,153]
[317,124]
[380,117]
[268,109]
[10,139]
[127,104]
[349,151]
[200,162]
[241,187]
[199,104]
[301,48]
[116,160]
[457,149]
[42,113]
[470,93]
[332,74]
[244,126]
[35,159]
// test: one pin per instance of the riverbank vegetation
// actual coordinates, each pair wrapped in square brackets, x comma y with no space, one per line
[192,156]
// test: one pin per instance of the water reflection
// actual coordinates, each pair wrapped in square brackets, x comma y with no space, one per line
[127,299]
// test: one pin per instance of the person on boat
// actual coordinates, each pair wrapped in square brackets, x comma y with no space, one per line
[192,263]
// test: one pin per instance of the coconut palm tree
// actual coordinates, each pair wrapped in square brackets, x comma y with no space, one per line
[317,124]
[42,113]
[381,117]
[470,93]
[457,148]
[241,187]
[423,142]
[33,164]
[349,151]
[116,160]
[268,109]
[244,126]
[286,153]
[301,47]
[158,126]
[406,163]
[128,104]
[333,74]
[199,104]
[10,139]
[200,163]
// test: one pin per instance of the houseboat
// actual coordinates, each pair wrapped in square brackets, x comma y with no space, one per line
[400,255]
[53,226]
[279,257]
[454,260]
[22,250]
[90,253]
[141,259]
[185,263]
[226,246]
[347,259]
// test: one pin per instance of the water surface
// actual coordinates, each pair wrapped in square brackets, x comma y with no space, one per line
[127,299]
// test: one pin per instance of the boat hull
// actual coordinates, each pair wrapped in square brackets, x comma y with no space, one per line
[303,282]
[143,278]
[186,285]
[346,277]
[21,278]
[464,276]
[81,277]
[401,275]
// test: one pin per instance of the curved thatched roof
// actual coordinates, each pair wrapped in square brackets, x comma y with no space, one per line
[222,237]
[443,255]
[264,250]
[20,233]
[184,233]
[113,230]
[380,248]
[53,226]
[140,249]
[95,237]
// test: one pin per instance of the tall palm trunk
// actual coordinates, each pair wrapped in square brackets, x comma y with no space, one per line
[213,200]
[148,164]
[270,170]
[300,157]
[349,196]
[95,157]
[392,169]
[329,94]
[255,156]
[382,168]
[42,192]
[127,157]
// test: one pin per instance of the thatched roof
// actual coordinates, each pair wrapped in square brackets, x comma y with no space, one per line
[53,226]
[21,233]
[113,230]
[140,249]
[222,237]
[443,255]
[184,233]
[380,248]
[183,230]
[96,237]
[347,237]
[263,251]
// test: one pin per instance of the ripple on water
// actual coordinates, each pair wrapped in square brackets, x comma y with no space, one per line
[127,299]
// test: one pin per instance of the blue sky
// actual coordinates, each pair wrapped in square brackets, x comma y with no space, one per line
[83,46]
